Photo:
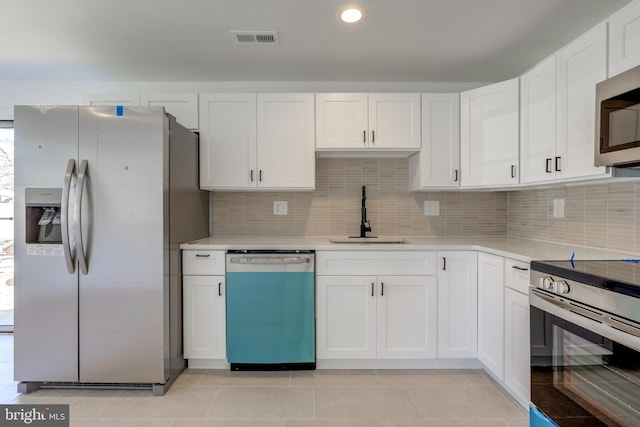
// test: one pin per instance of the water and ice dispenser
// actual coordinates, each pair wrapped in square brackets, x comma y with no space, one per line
[43,215]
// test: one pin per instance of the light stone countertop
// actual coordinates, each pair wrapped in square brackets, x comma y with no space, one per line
[520,249]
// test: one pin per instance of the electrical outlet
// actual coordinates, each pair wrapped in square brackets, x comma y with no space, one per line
[558,208]
[280,207]
[431,208]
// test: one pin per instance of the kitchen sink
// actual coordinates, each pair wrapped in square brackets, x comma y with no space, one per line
[369,239]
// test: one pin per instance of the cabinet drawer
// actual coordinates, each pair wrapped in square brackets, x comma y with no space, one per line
[375,263]
[516,275]
[203,263]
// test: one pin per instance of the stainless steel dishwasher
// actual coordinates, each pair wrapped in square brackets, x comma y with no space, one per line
[271,310]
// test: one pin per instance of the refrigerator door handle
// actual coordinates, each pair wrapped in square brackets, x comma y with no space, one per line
[64,214]
[82,257]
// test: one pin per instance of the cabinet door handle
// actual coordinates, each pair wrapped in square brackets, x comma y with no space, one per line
[547,168]
[444,263]
[203,255]
[373,136]
[219,289]
[260,175]
[372,286]
[558,165]
[251,175]
[519,268]
[455,174]
[513,171]
[381,288]
[364,136]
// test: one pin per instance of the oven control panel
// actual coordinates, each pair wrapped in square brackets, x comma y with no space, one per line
[548,283]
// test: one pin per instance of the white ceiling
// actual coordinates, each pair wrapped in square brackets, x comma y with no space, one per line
[189,40]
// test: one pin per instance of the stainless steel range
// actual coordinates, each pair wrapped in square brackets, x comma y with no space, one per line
[585,343]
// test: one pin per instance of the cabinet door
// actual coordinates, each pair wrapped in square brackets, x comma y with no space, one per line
[228,141]
[624,39]
[581,65]
[204,317]
[516,344]
[490,313]
[394,120]
[286,141]
[458,305]
[407,319]
[124,98]
[437,165]
[489,140]
[183,106]
[341,120]
[346,317]
[538,122]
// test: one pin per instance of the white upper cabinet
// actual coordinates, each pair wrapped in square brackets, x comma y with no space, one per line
[263,141]
[285,143]
[489,135]
[361,121]
[558,111]
[437,165]
[538,122]
[227,140]
[183,106]
[120,98]
[581,65]
[624,39]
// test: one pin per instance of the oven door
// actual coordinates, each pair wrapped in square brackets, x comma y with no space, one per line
[583,372]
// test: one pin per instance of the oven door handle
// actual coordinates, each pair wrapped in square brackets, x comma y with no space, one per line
[574,313]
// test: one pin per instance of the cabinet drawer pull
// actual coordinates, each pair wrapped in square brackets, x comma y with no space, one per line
[372,286]
[219,289]
[519,268]
[203,255]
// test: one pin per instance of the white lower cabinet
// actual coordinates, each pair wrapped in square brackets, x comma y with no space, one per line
[389,313]
[458,304]
[516,344]
[384,317]
[491,313]
[517,373]
[204,317]
[203,299]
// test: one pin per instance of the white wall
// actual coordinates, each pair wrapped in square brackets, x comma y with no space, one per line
[25,92]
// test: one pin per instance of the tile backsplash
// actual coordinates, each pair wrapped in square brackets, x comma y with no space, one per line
[599,215]
[333,209]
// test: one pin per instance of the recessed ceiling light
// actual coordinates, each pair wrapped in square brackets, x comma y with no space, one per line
[351,15]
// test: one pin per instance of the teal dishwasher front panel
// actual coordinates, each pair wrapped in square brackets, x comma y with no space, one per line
[270,317]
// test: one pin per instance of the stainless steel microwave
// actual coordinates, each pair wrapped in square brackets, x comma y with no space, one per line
[618,120]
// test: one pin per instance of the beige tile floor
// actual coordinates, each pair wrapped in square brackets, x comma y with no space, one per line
[321,398]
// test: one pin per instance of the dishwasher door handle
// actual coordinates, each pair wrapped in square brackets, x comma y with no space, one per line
[270,260]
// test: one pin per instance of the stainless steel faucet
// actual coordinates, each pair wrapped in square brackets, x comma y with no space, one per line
[365,225]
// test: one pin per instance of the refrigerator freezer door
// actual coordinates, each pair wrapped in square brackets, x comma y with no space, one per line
[124,222]
[46,295]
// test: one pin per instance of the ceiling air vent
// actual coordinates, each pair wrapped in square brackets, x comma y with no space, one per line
[255,37]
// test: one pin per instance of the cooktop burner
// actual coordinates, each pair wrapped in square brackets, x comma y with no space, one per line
[621,276]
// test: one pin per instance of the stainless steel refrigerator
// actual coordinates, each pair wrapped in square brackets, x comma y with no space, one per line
[104,196]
